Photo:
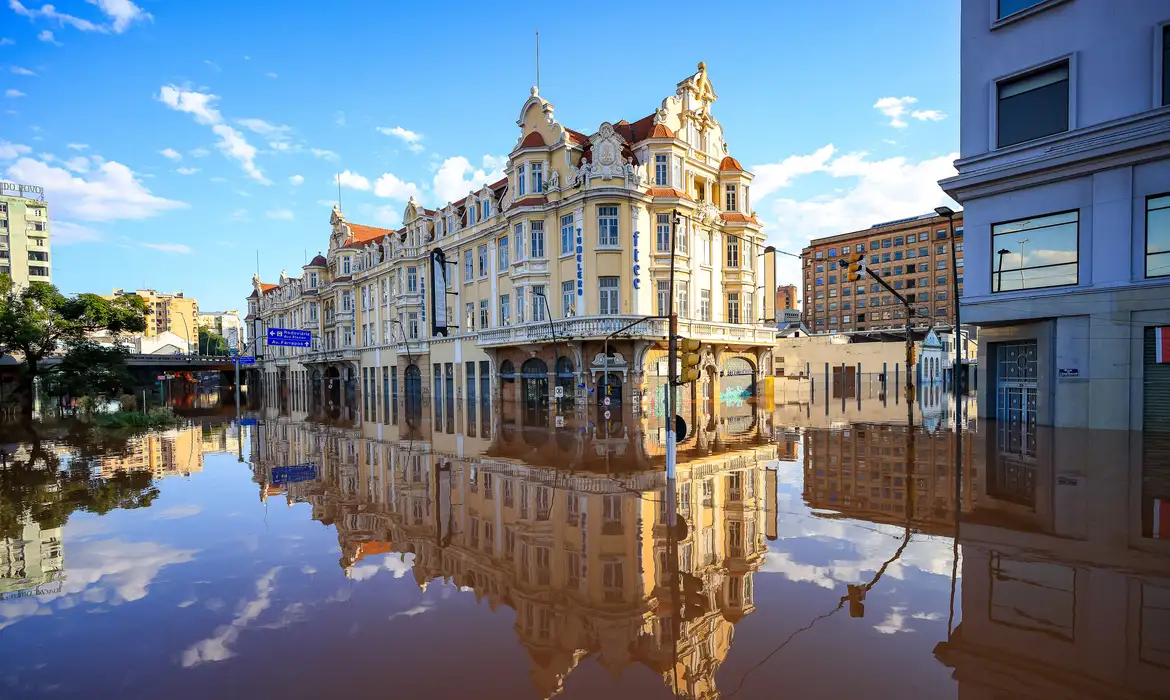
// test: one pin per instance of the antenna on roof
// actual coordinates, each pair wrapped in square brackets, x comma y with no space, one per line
[538,60]
[338,177]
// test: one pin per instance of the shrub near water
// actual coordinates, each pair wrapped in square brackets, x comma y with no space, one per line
[154,418]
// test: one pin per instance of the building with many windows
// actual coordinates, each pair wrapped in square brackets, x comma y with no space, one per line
[168,312]
[515,288]
[1064,174]
[227,324]
[913,255]
[24,237]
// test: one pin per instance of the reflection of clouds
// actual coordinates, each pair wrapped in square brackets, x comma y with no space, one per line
[308,569]
[102,572]
[399,565]
[416,610]
[894,623]
[178,512]
[218,647]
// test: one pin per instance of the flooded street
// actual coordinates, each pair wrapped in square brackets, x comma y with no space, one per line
[495,556]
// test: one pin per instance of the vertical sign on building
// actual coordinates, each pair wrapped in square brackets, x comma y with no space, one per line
[580,274]
[637,264]
[438,292]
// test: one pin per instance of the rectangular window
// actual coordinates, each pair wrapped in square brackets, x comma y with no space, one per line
[733,307]
[1158,236]
[941,264]
[1033,105]
[874,245]
[469,316]
[731,198]
[537,178]
[732,251]
[520,305]
[411,279]
[1166,65]
[1035,253]
[536,234]
[468,267]
[705,304]
[538,303]
[608,295]
[518,240]
[483,313]
[411,325]
[567,299]
[661,170]
[1011,7]
[663,287]
[567,236]
[662,231]
[607,226]
[898,254]
[502,253]
[482,254]
[833,279]
[505,309]
[521,183]
[832,252]
[886,243]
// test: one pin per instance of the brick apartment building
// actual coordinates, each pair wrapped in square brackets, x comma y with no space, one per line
[913,255]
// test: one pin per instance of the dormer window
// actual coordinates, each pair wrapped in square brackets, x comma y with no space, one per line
[471,214]
[487,208]
[537,178]
[730,198]
[661,169]
[521,184]
[450,223]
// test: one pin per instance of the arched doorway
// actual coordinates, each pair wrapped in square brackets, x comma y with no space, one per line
[567,381]
[738,385]
[609,386]
[333,386]
[534,390]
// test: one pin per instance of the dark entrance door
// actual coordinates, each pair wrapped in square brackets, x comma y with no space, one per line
[534,391]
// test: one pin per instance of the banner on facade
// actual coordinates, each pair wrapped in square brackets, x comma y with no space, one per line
[438,292]
[1162,345]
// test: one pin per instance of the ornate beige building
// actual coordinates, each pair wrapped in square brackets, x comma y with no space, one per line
[512,291]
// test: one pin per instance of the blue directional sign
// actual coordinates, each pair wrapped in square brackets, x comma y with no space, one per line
[290,337]
[249,421]
[293,474]
[244,360]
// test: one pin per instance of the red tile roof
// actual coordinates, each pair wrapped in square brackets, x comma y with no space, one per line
[266,288]
[365,234]
[533,140]
[668,192]
[734,217]
[577,136]
[730,163]
[660,131]
[318,261]
[530,201]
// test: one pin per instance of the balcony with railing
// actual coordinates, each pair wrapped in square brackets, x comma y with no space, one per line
[602,326]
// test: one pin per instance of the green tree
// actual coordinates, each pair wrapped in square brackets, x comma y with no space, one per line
[89,369]
[39,321]
[211,343]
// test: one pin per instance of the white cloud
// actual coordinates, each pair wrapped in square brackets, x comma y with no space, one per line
[17,70]
[112,192]
[233,145]
[47,37]
[353,181]
[898,108]
[240,215]
[187,171]
[272,75]
[9,150]
[122,12]
[80,164]
[218,646]
[50,13]
[69,233]
[5,41]
[199,153]
[456,177]
[387,216]
[296,180]
[198,104]
[171,154]
[13,92]
[410,137]
[78,146]
[274,132]
[178,512]
[324,154]
[280,214]
[391,187]
[168,247]
[773,176]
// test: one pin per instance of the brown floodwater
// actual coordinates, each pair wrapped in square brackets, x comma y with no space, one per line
[817,551]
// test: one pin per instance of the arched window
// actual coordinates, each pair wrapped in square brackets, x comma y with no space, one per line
[507,371]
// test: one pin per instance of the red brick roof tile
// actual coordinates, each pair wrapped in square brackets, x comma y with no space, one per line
[668,192]
[533,140]
[364,234]
[730,164]
[734,217]
[660,131]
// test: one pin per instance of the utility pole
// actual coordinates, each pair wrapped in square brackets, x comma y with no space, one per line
[672,372]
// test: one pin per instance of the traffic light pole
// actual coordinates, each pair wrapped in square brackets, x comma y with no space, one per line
[672,373]
[909,329]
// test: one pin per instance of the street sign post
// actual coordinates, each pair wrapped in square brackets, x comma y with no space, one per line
[293,474]
[244,360]
[290,337]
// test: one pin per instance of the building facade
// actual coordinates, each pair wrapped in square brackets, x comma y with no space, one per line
[913,255]
[24,238]
[514,289]
[1064,174]
[786,297]
[173,312]
[227,324]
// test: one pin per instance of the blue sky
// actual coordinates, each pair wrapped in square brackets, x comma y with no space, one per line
[175,139]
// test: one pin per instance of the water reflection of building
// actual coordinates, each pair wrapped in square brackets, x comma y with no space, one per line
[166,453]
[1065,586]
[861,472]
[580,554]
[30,561]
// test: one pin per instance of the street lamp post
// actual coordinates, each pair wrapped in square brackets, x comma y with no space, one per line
[556,356]
[950,214]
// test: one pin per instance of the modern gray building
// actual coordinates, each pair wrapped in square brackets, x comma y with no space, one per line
[1064,177]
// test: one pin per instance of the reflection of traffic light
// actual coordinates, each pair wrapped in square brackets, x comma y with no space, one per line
[688,352]
[854,266]
[856,594]
[694,600]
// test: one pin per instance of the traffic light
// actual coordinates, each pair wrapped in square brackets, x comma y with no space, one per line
[688,353]
[854,267]
[694,600]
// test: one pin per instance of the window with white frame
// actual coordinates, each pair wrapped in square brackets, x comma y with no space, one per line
[682,299]
[747,308]
[505,309]
[663,296]
[482,255]
[704,249]
[730,198]
[537,178]
[662,231]
[469,316]
[485,206]
[345,265]
[411,279]
[607,226]
[567,246]
[521,182]
[1005,8]
[346,301]
[1032,105]
[468,267]
[661,169]
[538,303]
[704,304]
[536,236]
[483,313]
[502,253]
[733,307]
[518,240]
[609,295]
[412,325]
[519,305]
[568,299]
[733,251]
